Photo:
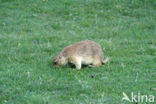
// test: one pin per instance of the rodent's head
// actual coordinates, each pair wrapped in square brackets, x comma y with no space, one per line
[59,60]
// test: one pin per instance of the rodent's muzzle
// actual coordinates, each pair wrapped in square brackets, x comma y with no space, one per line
[55,64]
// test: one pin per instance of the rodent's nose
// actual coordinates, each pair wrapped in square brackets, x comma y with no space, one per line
[55,63]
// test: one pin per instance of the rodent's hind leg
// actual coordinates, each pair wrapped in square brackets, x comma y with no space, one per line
[77,62]
[78,66]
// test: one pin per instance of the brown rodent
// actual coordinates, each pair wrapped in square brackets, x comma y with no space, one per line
[85,52]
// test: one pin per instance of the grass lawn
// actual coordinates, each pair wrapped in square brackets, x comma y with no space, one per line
[32,32]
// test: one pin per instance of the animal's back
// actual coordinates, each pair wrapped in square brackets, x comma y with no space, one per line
[85,48]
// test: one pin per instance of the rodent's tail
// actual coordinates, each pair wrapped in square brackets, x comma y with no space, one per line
[106,60]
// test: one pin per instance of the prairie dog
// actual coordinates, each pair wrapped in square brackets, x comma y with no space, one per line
[84,52]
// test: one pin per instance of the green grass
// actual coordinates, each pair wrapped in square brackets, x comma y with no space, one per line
[32,32]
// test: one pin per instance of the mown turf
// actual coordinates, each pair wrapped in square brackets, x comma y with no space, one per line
[32,32]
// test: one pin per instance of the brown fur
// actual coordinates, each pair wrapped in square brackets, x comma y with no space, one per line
[85,52]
